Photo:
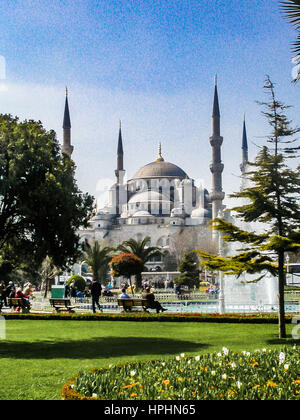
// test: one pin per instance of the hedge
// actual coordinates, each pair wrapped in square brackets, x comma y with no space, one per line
[141,317]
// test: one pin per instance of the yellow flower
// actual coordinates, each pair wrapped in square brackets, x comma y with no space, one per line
[297,382]
[179,379]
[256,386]
[133,395]
[271,384]
[166,382]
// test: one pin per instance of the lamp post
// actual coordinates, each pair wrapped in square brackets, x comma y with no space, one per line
[221,278]
[287,260]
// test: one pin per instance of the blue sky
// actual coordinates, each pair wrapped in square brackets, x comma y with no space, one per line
[150,63]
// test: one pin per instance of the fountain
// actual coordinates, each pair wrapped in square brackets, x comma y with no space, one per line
[245,290]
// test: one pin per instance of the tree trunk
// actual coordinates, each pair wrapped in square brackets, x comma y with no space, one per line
[47,286]
[132,291]
[281,309]
[138,281]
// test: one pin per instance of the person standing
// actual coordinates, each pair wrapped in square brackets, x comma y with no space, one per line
[96,293]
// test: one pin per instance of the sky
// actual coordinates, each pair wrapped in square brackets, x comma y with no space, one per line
[150,64]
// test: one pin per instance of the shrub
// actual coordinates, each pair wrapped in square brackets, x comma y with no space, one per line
[79,281]
[126,265]
[260,375]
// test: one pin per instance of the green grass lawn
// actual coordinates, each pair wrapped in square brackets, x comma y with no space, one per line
[38,357]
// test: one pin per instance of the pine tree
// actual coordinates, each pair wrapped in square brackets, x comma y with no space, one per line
[189,270]
[272,200]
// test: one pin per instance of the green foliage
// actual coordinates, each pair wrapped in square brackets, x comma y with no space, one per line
[97,257]
[79,282]
[189,270]
[143,251]
[260,375]
[291,9]
[143,317]
[41,207]
[140,249]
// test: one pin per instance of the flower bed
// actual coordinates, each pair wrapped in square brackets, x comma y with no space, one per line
[261,375]
[136,317]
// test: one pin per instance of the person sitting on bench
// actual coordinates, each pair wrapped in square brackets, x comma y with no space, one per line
[124,294]
[25,299]
[151,302]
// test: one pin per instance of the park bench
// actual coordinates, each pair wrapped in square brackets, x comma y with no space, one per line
[15,303]
[62,305]
[129,303]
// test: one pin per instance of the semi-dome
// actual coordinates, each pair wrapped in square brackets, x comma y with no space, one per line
[148,197]
[160,169]
[199,213]
[142,213]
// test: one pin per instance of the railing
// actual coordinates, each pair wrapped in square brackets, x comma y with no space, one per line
[195,303]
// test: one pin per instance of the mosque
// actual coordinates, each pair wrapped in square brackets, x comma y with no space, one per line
[160,200]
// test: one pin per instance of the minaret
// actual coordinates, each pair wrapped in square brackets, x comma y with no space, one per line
[121,194]
[245,159]
[120,158]
[67,148]
[217,195]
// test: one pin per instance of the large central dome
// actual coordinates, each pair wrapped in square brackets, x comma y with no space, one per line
[160,170]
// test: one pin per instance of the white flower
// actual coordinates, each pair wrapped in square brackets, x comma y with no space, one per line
[213,372]
[233,365]
[239,384]
[94,395]
[219,355]
[132,372]
[225,351]
[224,376]
[182,355]
[163,364]
[286,367]
[177,357]
[281,357]
[197,358]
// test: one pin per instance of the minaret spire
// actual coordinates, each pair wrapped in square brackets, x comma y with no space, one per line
[217,195]
[245,158]
[120,152]
[120,191]
[67,148]
[216,112]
